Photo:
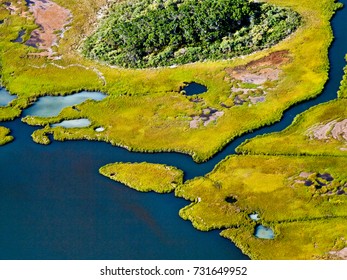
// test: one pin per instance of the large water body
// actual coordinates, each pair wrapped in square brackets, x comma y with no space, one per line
[55,205]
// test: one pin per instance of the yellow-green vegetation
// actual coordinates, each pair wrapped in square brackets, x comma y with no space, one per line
[342,93]
[145,110]
[287,192]
[4,137]
[144,176]
[321,130]
[306,240]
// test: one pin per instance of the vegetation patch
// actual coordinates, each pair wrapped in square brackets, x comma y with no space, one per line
[144,176]
[277,189]
[4,136]
[182,31]
[342,93]
[321,130]
[304,240]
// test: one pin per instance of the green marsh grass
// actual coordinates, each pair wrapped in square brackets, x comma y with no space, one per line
[145,111]
[144,176]
[297,139]
[4,136]
[272,187]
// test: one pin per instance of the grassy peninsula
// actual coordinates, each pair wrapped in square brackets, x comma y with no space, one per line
[144,176]
[292,195]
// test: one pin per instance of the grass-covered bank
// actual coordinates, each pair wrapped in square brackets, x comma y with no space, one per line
[292,195]
[4,136]
[321,130]
[144,176]
[145,110]
[306,240]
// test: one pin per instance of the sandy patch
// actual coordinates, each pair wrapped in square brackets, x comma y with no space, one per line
[209,115]
[342,254]
[332,130]
[51,19]
[257,99]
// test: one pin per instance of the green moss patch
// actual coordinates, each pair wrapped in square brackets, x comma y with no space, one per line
[4,137]
[144,176]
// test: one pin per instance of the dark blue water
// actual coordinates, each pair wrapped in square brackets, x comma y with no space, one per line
[194,88]
[55,205]
[28,2]
[19,39]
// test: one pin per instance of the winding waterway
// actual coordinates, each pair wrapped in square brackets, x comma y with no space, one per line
[55,205]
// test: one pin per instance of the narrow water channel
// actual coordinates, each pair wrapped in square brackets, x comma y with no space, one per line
[55,205]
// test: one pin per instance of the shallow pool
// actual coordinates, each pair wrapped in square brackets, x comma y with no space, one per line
[73,123]
[50,106]
[264,232]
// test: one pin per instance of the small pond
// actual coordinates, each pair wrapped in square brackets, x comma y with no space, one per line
[29,2]
[264,232]
[194,88]
[50,106]
[73,123]
[254,216]
[5,97]
[19,39]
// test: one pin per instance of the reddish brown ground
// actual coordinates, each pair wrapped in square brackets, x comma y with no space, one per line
[51,19]
[261,70]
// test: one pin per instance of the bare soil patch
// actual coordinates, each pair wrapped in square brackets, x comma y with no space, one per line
[51,19]
[254,75]
[332,130]
[261,70]
[342,254]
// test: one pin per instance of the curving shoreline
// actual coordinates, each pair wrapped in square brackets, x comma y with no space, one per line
[214,160]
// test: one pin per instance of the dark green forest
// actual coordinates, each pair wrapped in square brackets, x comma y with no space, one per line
[147,33]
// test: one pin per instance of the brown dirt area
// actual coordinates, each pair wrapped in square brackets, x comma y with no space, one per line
[334,129]
[261,70]
[209,115]
[51,19]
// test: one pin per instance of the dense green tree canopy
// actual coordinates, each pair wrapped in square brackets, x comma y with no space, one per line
[147,33]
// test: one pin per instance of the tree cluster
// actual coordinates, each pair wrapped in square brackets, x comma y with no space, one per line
[147,33]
